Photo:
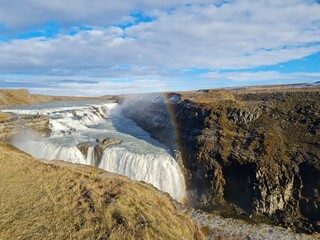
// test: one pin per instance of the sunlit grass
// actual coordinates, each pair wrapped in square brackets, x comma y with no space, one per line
[52,201]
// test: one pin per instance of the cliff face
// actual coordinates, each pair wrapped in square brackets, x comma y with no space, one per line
[255,155]
[14,125]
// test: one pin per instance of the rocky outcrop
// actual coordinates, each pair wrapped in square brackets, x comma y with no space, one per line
[20,124]
[255,156]
[97,147]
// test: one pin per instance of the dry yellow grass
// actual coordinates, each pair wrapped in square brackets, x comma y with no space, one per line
[275,89]
[208,96]
[4,116]
[50,201]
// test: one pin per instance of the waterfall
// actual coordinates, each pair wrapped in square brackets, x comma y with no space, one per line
[161,170]
[137,157]
[50,151]
[90,159]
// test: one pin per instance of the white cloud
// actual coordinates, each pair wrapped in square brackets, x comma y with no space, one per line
[22,14]
[87,86]
[240,34]
[261,76]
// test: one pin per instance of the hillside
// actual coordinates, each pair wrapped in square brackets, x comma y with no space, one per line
[10,97]
[52,201]
[17,97]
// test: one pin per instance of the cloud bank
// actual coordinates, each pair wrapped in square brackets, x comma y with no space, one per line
[127,43]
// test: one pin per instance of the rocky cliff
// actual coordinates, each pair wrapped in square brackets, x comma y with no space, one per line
[250,154]
[17,125]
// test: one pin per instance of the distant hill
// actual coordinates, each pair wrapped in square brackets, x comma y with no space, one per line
[10,97]
[17,97]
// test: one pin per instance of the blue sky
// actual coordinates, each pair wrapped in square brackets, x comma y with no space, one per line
[93,47]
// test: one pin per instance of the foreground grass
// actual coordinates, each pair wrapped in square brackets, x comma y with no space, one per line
[4,116]
[50,201]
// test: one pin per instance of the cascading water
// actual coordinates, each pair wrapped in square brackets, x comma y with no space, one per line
[138,156]
[157,168]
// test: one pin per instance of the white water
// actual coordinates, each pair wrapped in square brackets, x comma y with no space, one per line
[138,156]
[159,169]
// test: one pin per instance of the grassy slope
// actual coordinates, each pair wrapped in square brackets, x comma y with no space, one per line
[50,201]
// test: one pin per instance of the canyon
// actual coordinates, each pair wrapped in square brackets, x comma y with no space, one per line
[247,153]
[55,199]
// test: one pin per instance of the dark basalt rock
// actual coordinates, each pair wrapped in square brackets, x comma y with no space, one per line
[103,143]
[256,157]
[83,147]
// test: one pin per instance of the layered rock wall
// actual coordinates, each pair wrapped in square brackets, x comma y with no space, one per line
[23,124]
[255,156]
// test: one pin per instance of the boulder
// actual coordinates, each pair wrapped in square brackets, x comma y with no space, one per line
[103,143]
[83,147]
